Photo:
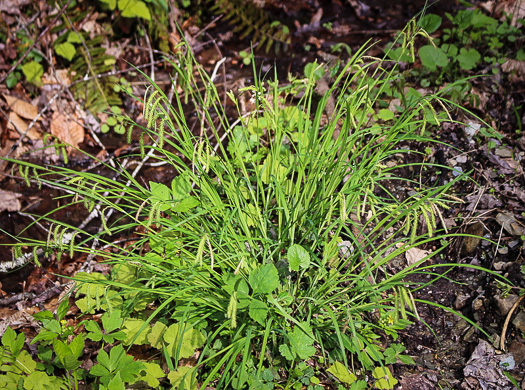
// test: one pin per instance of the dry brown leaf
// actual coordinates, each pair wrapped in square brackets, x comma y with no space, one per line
[9,201]
[515,68]
[20,125]
[67,130]
[514,7]
[23,109]
[413,255]
[60,77]
[13,6]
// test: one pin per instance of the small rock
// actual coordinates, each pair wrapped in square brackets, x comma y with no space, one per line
[503,152]
[500,265]
[517,350]
[461,301]
[461,159]
[503,250]
[519,321]
[505,303]
[477,304]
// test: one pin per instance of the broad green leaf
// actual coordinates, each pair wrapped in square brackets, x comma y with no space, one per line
[264,279]
[430,23]
[182,376]
[181,186]
[258,311]
[112,4]
[151,372]
[24,363]
[66,50]
[38,380]
[116,383]
[131,327]
[125,273]
[315,70]
[159,191]
[74,37]
[468,58]
[432,57]
[33,72]
[156,336]
[451,50]
[384,377]
[385,114]
[301,343]
[12,341]
[341,372]
[185,205]
[134,8]
[286,352]
[111,321]
[298,257]
[77,346]
[191,340]
[10,380]
[95,333]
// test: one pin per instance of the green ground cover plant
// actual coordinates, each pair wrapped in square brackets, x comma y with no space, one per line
[263,263]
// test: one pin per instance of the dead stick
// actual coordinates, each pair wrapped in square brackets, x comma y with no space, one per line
[507,320]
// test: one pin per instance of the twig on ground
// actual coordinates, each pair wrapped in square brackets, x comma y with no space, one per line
[507,320]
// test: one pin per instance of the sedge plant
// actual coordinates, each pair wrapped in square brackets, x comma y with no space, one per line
[270,246]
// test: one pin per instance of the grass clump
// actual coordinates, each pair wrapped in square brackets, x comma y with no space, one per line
[266,256]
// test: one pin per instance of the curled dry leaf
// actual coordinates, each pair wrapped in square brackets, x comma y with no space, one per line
[23,109]
[9,201]
[413,255]
[67,129]
[20,126]
[516,69]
